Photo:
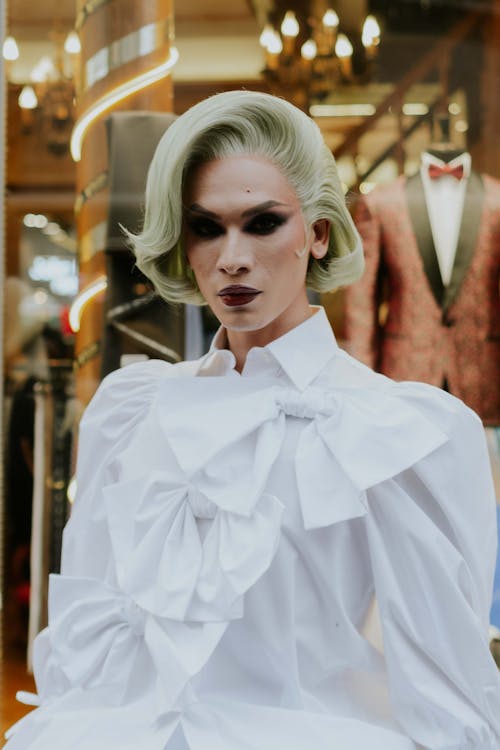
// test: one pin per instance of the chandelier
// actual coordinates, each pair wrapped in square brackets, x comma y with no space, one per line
[47,101]
[306,64]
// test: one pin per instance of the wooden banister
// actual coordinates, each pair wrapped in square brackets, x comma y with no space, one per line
[433,58]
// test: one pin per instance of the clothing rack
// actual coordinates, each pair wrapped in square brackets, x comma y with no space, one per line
[54,422]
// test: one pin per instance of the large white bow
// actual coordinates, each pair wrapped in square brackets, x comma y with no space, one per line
[230,431]
[105,644]
[179,554]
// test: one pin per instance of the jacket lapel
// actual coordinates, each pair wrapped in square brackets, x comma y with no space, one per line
[467,238]
[423,234]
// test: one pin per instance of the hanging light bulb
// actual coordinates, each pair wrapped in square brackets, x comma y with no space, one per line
[344,50]
[331,19]
[72,44]
[275,45]
[343,47]
[309,50]
[370,36]
[290,25]
[10,49]
[371,31]
[328,34]
[273,50]
[27,98]
[289,31]
[266,36]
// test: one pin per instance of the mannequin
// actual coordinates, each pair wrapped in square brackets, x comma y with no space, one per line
[432,250]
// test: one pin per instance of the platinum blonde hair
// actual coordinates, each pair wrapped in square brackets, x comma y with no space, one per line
[238,123]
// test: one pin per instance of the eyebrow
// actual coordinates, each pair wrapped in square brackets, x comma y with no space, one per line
[265,206]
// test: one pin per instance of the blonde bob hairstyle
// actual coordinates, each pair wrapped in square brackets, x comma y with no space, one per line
[238,123]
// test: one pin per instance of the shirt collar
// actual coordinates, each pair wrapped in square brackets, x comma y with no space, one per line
[463,160]
[301,353]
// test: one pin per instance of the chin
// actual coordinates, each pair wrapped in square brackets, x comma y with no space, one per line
[241,319]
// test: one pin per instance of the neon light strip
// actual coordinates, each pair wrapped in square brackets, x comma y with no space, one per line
[115,96]
[82,299]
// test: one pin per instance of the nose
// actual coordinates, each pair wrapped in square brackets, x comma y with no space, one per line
[234,254]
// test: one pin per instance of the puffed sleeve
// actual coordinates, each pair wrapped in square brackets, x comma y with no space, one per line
[432,540]
[120,404]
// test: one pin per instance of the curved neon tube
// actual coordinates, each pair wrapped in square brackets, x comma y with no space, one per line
[116,95]
[82,299]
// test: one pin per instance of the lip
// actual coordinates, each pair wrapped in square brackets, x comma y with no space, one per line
[237,295]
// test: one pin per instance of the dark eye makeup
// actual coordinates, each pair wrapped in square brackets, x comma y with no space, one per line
[260,224]
[265,223]
[204,228]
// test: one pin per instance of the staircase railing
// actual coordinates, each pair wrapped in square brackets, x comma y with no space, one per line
[438,58]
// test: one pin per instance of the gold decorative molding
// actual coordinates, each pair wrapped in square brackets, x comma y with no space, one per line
[137,44]
[98,183]
[88,9]
[92,242]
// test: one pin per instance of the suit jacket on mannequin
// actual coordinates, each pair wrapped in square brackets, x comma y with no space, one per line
[432,333]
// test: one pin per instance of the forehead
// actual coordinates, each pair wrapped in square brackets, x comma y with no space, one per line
[237,177]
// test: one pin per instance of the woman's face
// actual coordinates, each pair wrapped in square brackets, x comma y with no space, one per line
[244,237]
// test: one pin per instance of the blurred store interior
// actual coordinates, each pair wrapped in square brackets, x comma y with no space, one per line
[86,80]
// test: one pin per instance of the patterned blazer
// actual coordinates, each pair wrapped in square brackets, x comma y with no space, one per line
[402,321]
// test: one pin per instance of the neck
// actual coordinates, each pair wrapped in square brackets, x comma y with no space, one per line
[240,342]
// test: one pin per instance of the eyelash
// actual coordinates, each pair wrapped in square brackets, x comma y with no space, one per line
[261,225]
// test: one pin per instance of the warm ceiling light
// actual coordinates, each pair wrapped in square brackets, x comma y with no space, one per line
[27,98]
[371,32]
[275,45]
[82,299]
[343,47]
[309,50]
[290,25]
[72,44]
[266,36]
[10,49]
[342,110]
[331,19]
[415,108]
[116,95]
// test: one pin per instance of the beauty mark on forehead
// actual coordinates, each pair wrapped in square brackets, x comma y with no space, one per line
[196,208]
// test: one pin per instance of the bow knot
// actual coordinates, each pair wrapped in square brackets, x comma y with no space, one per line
[133,615]
[201,506]
[437,170]
[306,405]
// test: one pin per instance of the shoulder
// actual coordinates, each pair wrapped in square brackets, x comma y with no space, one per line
[409,411]
[129,390]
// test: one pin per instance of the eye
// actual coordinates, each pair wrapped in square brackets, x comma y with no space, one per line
[205,229]
[265,223]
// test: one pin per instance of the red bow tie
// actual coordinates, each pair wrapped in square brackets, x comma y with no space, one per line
[436,171]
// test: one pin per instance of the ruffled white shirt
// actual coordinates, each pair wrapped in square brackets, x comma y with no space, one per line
[228,539]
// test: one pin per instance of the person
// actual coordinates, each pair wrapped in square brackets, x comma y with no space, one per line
[238,516]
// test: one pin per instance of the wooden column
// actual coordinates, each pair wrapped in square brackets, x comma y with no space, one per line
[121,40]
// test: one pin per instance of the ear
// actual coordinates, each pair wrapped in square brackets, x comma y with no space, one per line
[321,238]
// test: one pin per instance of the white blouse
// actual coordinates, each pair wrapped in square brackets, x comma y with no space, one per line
[229,536]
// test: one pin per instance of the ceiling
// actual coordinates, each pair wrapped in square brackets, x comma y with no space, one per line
[215,39]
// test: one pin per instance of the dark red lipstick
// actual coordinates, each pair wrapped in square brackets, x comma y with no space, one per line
[236,295]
